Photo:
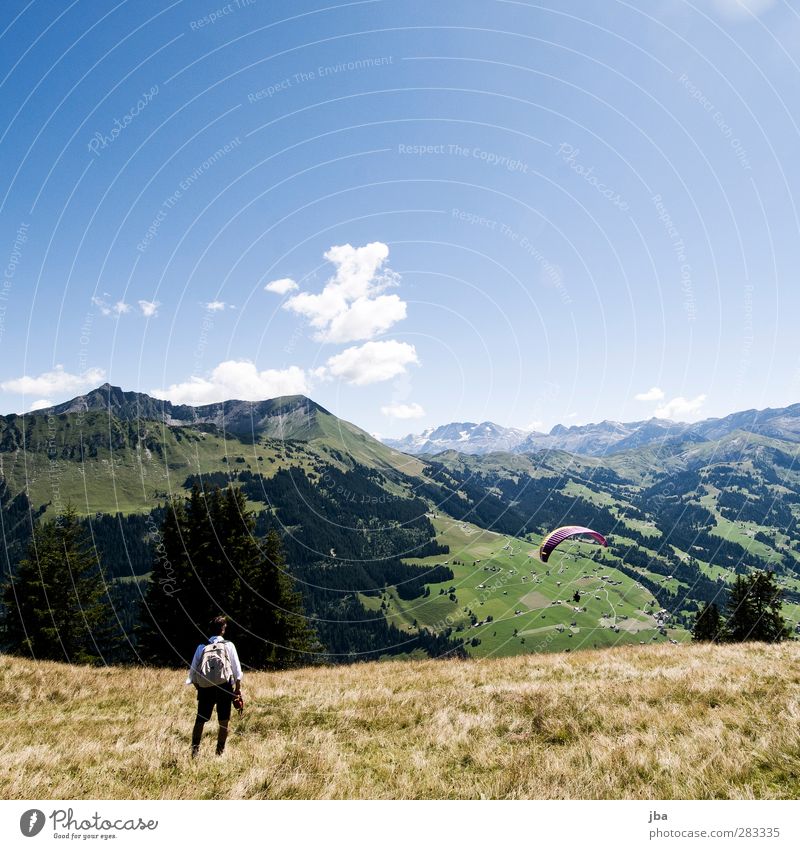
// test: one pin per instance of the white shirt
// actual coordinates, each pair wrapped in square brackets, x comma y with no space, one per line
[236,667]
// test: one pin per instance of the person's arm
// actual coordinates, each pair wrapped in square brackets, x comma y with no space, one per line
[236,668]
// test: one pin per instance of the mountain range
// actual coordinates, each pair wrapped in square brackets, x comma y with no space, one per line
[429,545]
[599,439]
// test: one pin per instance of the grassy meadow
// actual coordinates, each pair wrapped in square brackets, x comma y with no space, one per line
[531,604]
[652,722]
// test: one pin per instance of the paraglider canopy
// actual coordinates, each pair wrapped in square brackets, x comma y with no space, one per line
[556,537]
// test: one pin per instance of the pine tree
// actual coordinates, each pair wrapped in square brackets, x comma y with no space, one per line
[708,626]
[740,611]
[766,602]
[275,632]
[754,606]
[165,619]
[208,563]
[58,605]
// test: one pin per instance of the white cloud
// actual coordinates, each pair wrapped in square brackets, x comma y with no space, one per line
[371,362]
[680,408]
[282,286]
[352,306]
[117,309]
[403,411]
[149,308]
[537,425]
[215,306]
[366,318]
[41,404]
[652,394]
[55,382]
[237,379]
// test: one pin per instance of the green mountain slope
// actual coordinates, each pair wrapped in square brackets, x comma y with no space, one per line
[393,551]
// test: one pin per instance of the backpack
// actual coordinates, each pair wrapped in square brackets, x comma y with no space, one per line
[215,665]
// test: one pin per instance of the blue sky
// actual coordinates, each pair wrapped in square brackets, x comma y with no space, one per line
[413,212]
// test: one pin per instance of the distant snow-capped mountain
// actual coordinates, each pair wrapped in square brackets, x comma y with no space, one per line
[467,437]
[606,437]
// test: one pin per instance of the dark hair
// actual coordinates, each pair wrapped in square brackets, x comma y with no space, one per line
[216,625]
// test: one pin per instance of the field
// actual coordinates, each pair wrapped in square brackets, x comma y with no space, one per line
[532,604]
[654,722]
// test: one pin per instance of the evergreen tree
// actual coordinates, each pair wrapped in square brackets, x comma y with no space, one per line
[165,619]
[708,626]
[740,611]
[766,599]
[57,604]
[754,606]
[208,563]
[269,610]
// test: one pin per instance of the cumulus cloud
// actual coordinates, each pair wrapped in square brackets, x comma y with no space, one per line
[403,411]
[237,379]
[371,362]
[652,394]
[215,306]
[41,404]
[680,408]
[282,286]
[352,305]
[116,309]
[149,308]
[55,382]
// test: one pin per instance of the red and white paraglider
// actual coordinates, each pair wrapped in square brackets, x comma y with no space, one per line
[556,537]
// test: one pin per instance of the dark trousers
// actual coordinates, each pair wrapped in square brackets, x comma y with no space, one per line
[208,697]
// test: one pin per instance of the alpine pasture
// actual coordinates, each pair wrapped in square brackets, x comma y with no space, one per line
[654,722]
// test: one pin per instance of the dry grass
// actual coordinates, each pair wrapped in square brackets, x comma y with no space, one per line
[653,722]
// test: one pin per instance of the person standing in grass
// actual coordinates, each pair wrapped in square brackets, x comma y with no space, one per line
[217,676]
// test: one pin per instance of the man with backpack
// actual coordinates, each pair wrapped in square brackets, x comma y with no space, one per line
[217,676]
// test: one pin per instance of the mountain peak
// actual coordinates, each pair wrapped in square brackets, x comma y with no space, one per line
[600,438]
[466,437]
[286,417]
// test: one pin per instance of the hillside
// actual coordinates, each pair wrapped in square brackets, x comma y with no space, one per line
[399,555]
[112,451]
[693,722]
[503,601]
